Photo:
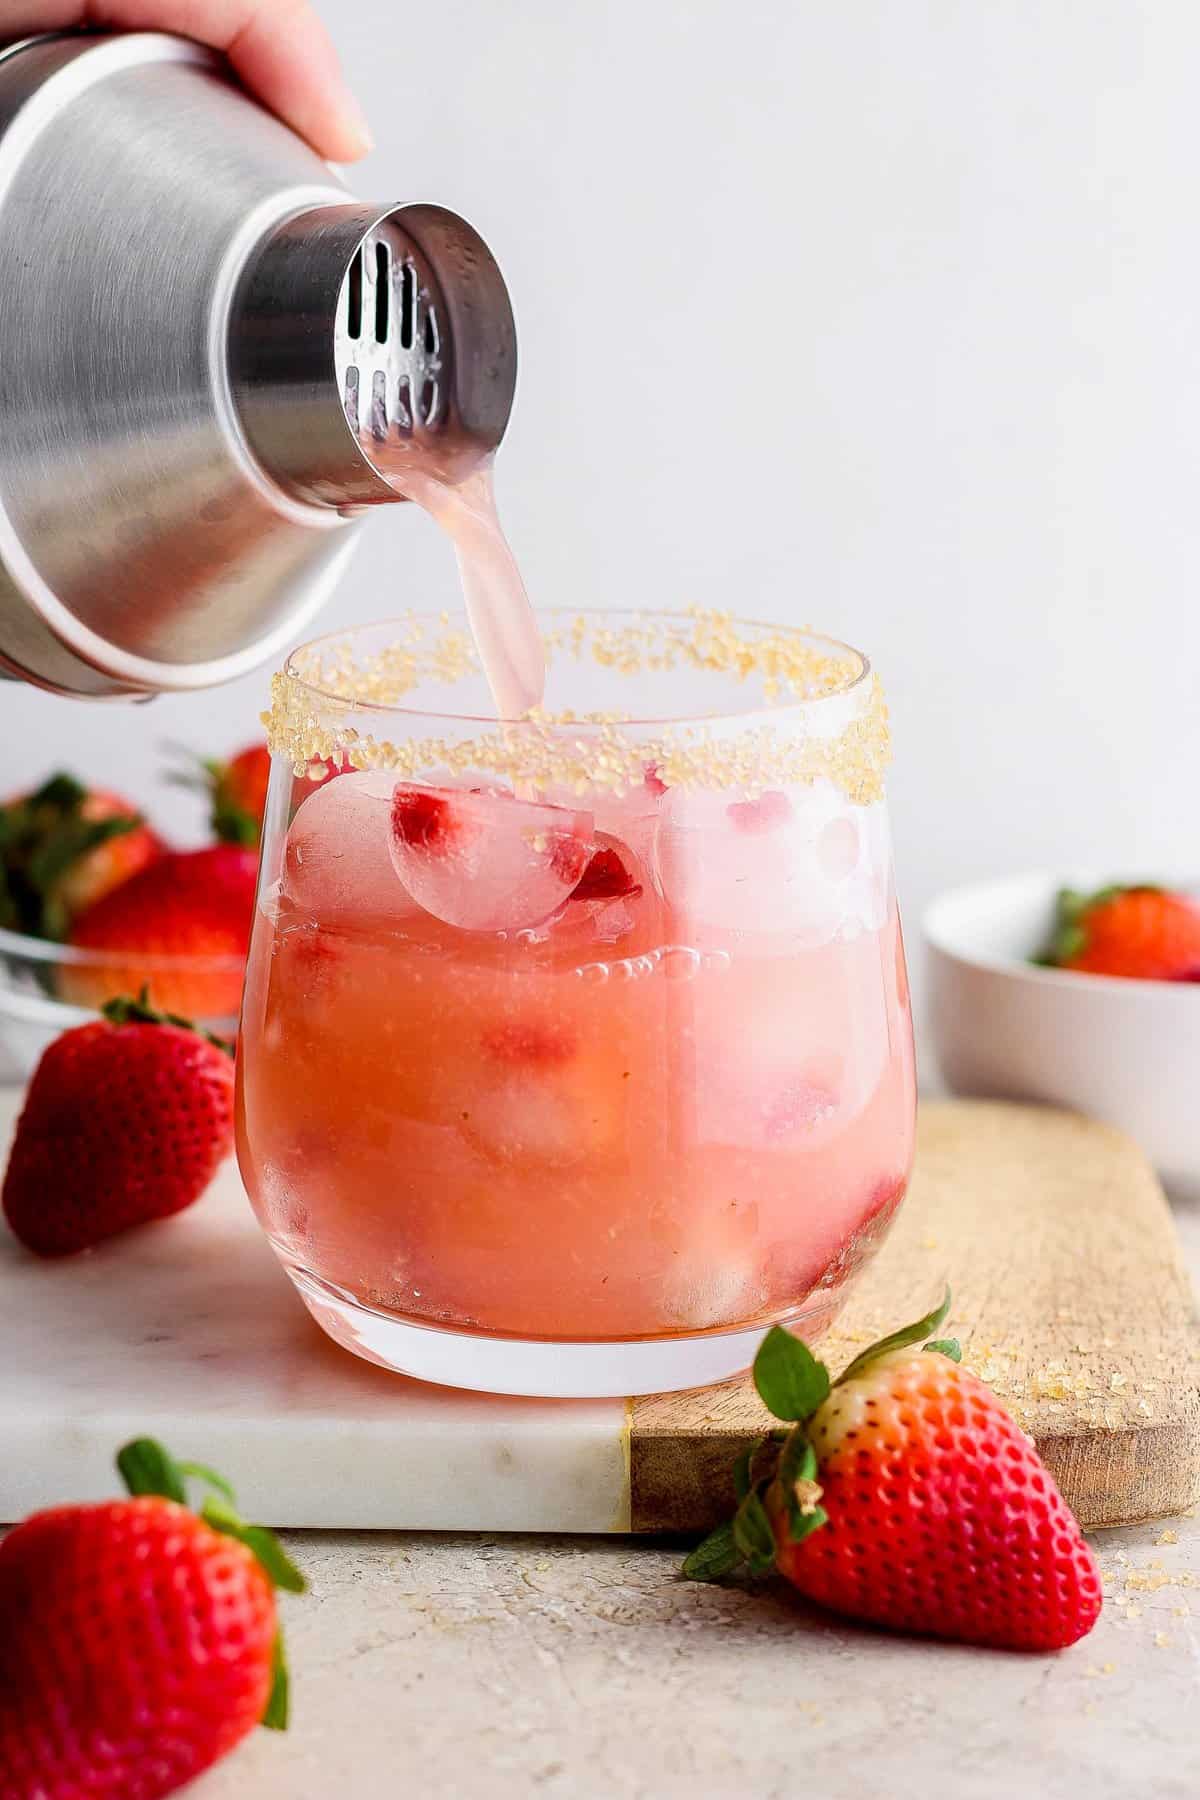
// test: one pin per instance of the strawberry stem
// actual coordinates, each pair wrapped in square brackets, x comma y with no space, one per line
[715,1557]
[797,1477]
[791,1382]
[233,824]
[121,1010]
[146,1468]
[897,1340]
[263,1543]
[278,1708]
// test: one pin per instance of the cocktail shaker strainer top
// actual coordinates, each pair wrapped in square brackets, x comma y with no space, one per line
[212,358]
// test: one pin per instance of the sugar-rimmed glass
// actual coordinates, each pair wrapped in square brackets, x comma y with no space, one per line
[576,1051]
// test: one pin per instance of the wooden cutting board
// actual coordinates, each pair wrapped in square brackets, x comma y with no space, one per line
[1070,1297]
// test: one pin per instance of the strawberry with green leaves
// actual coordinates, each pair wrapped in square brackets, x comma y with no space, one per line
[237,789]
[904,1494]
[126,1120]
[64,846]
[235,786]
[1142,933]
[139,1641]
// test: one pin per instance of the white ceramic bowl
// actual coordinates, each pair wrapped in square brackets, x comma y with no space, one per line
[1127,1052]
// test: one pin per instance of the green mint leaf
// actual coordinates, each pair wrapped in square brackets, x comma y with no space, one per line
[263,1544]
[752,1534]
[947,1347]
[146,1468]
[790,1381]
[908,1334]
[717,1556]
[275,1718]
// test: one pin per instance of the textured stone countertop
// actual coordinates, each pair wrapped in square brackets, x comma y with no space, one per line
[503,1667]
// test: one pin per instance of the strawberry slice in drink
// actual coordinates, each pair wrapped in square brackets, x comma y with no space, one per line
[485,860]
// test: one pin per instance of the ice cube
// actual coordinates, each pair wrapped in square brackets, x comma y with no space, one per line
[484,860]
[337,864]
[703,1290]
[757,1101]
[522,1115]
[798,863]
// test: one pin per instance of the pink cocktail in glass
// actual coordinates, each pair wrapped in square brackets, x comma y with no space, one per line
[575,1052]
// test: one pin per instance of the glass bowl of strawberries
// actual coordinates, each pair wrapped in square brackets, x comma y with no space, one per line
[95,905]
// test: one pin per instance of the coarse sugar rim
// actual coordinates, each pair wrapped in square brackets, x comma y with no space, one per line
[330,691]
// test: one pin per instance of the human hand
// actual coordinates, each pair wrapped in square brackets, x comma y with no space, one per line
[280,49]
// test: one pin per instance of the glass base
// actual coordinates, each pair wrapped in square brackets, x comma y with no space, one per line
[547,1368]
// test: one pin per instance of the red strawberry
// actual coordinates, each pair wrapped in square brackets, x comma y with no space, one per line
[1145,933]
[189,904]
[905,1495]
[239,789]
[236,790]
[126,1120]
[424,818]
[531,1041]
[139,1641]
[62,848]
[606,877]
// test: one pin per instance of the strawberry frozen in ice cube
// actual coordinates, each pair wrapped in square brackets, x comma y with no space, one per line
[484,860]
[541,1092]
[614,912]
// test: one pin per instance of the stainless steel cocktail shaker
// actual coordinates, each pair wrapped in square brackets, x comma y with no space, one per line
[212,358]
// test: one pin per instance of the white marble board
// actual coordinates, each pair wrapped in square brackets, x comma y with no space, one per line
[190,1331]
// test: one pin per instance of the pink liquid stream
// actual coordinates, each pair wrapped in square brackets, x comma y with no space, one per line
[501,618]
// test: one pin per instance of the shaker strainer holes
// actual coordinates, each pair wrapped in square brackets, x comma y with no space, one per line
[404,418]
[351,397]
[408,292]
[429,402]
[354,308]
[379,418]
[383,285]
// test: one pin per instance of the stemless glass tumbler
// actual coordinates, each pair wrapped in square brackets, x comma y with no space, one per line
[576,1051]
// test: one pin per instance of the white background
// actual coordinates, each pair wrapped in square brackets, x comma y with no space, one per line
[882,316]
